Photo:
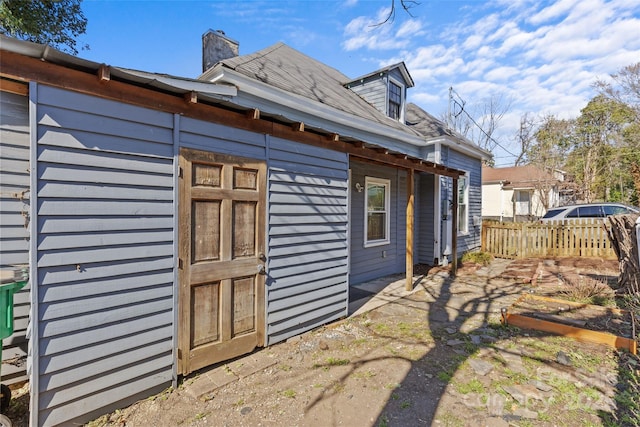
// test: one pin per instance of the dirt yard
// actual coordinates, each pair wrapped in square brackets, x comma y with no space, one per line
[437,356]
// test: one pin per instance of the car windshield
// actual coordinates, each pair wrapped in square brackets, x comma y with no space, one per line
[616,210]
[552,213]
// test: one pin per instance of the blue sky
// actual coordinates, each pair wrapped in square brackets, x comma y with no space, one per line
[540,57]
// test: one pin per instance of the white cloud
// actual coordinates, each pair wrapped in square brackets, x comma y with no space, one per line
[554,11]
[410,28]
[545,57]
[376,34]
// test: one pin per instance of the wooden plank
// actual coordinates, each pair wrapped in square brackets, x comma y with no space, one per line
[12,86]
[244,306]
[24,68]
[217,352]
[205,235]
[454,228]
[184,264]
[579,238]
[571,331]
[205,321]
[410,230]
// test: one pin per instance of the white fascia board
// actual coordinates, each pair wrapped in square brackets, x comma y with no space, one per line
[362,128]
[472,151]
[312,121]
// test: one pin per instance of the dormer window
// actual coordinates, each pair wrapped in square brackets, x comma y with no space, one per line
[385,89]
[395,101]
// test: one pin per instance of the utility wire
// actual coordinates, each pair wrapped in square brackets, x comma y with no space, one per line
[462,110]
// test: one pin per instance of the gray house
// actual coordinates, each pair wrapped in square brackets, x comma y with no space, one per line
[170,224]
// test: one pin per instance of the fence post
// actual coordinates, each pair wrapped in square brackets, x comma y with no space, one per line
[523,240]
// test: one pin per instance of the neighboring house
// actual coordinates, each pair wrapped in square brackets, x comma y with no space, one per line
[519,193]
[170,224]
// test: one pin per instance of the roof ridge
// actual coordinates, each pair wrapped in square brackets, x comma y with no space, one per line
[255,55]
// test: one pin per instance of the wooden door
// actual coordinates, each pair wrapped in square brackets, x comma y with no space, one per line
[221,247]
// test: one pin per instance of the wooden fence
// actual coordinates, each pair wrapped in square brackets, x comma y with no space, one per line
[583,238]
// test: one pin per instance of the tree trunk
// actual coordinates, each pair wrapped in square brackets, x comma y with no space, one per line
[622,233]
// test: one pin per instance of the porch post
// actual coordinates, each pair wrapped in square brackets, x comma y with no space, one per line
[454,228]
[410,229]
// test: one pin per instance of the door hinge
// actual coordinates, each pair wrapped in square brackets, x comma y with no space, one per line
[180,263]
[180,172]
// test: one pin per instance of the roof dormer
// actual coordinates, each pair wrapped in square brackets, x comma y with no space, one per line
[385,89]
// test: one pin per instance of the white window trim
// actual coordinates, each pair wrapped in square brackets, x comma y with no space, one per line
[464,231]
[387,205]
[402,97]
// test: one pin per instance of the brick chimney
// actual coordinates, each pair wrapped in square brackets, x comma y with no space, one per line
[216,46]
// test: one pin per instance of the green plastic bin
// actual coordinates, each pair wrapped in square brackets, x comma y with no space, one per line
[11,281]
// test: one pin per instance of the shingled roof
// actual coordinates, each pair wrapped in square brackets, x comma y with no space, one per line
[517,176]
[290,70]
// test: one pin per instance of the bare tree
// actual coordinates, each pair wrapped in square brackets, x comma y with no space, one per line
[625,87]
[525,137]
[406,5]
[478,122]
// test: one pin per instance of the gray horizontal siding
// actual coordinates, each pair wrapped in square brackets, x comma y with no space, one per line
[14,221]
[473,167]
[307,238]
[374,91]
[201,135]
[105,253]
[425,211]
[377,261]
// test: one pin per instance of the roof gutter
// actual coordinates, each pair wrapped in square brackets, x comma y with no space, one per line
[448,141]
[304,105]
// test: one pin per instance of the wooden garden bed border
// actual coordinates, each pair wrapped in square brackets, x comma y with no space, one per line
[581,334]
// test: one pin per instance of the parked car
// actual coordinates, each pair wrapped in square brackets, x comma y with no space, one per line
[587,210]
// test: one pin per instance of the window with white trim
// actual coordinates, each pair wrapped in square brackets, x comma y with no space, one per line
[463,204]
[377,213]
[522,201]
[395,101]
